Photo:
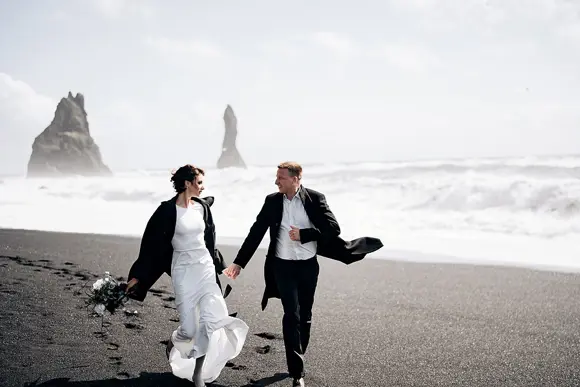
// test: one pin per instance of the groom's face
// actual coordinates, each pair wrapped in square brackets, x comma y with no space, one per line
[286,184]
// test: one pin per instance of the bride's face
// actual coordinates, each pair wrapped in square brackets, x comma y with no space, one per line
[195,188]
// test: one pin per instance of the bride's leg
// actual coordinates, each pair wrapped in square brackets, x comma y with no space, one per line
[188,315]
[183,336]
[197,377]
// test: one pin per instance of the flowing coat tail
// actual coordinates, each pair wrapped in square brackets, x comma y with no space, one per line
[334,248]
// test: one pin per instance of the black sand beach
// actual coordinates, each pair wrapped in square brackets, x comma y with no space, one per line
[376,322]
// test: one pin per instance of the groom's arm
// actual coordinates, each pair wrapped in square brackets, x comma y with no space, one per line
[325,225]
[255,236]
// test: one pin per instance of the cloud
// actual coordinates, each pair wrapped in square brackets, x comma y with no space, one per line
[24,113]
[21,103]
[284,49]
[570,31]
[486,15]
[406,57]
[115,9]
[302,45]
[338,52]
[196,48]
[59,15]
[338,44]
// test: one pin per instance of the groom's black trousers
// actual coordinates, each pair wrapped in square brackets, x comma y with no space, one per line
[296,281]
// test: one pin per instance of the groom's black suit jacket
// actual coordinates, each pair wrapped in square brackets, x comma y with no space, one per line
[325,232]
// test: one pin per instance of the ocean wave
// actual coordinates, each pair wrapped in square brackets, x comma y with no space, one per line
[537,197]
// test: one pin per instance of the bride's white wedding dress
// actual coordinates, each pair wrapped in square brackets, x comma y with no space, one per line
[205,326]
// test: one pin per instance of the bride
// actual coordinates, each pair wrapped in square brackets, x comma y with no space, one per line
[179,240]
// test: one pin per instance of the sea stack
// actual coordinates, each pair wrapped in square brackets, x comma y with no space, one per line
[230,156]
[66,147]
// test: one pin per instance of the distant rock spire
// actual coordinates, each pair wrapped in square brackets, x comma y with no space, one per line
[230,156]
[66,147]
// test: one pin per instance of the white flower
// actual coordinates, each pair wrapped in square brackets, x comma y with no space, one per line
[98,284]
[99,309]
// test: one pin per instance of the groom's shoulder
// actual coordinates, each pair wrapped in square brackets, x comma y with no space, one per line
[273,196]
[313,193]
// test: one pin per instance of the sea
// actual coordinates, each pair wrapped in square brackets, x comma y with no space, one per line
[521,211]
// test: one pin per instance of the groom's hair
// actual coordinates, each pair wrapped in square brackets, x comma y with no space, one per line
[294,169]
[186,173]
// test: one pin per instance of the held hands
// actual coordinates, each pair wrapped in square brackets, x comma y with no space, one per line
[233,271]
[294,233]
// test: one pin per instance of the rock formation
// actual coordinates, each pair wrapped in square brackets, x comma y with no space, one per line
[66,147]
[230,156]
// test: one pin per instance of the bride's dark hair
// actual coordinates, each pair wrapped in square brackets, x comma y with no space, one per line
[186,173]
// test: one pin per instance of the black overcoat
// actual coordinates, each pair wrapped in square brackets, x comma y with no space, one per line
[156,250]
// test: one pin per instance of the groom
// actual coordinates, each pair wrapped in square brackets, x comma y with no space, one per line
[302,226]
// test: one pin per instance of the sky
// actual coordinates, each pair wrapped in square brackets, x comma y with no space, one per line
[315,82]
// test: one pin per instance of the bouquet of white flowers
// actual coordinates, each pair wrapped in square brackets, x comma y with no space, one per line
[106,294]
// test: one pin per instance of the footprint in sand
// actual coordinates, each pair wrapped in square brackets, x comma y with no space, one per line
[170,298]
[130,325]
[123,375]
[69,264]
[100,334]
[169,307]
[82,276]
[116,360]
[263,350]
[131,313]
[269,336]
[234,366]
[112,346]
[174,319]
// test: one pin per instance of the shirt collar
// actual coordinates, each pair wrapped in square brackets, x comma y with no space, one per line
[296,195]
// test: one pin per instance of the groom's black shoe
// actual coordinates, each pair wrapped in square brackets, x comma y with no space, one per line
[298,382]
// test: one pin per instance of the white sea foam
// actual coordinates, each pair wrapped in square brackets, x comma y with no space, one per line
[519,211]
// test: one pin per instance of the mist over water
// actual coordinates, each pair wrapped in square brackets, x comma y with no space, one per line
[516,211]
